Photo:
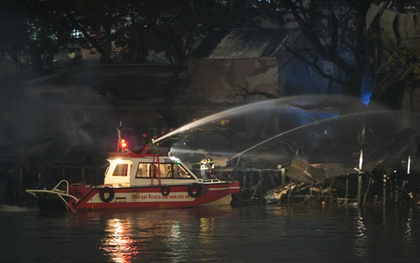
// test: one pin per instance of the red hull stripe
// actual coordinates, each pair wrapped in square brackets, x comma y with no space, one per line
[148,197]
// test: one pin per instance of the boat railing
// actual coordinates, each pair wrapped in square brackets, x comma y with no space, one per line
[210,181]
[60,193]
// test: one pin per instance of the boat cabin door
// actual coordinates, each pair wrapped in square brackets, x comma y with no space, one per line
[118,173]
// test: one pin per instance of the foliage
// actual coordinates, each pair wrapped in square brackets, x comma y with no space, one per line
[400,73]
[335,31]
[406,59]
[125,30]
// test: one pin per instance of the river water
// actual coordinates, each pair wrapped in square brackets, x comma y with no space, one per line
[271,233]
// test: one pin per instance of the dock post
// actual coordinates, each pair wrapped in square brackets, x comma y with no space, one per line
[261,187]
[359,180]
[384,191]
[20,185]
[367,191]
[283,176]
[359,190]
[244,179]
[39,177]
[251,177]
[347,191]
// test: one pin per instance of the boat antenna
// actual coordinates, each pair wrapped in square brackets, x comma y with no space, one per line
[119,132]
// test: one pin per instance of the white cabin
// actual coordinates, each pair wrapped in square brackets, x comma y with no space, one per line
[131,170]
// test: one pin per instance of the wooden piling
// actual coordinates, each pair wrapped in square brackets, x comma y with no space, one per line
[261,185]
[359,190]
[283,176]
[20,186]
[384,191]
[347,191]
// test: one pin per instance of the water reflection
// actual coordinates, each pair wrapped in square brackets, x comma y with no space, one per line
[158,234]
[206,227]
[175,232]
[407,232]
[360,246]
[118,244]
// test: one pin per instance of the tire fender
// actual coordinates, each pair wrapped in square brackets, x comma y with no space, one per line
[105,190]
[195,190]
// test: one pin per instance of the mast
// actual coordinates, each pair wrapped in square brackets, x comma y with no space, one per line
[119,132]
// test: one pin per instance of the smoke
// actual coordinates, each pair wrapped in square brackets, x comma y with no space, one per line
[75,135]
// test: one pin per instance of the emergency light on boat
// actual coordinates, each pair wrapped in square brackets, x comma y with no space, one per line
[123,144]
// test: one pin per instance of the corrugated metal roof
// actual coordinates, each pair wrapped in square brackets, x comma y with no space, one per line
[241,43]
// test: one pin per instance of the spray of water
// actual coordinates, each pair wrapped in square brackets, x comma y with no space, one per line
[220,115]
[306,125]
[279,103]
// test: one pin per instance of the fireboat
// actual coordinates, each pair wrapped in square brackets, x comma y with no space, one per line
[134,181]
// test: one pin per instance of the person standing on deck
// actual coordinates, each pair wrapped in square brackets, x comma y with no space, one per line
[210,164]
[205,169]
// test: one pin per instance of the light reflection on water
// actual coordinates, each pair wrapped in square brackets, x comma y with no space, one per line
[228,234]
[120,247]
[361,242]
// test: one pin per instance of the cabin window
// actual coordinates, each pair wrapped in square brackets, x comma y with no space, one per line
[121,169]
[163,170]
[180,172]
[147,170]
[168,171]
[143,170]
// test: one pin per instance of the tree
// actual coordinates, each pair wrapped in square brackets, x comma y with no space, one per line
[335,28]
[398,76]
[33,30]
[175,25]
[138,27]
[102,22]
[336,32]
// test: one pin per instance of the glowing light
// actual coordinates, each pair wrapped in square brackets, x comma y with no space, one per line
[365,98]
[123,143]
[408,164]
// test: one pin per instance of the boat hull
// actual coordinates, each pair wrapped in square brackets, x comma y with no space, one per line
[50,202]
[176,196]
[158,196]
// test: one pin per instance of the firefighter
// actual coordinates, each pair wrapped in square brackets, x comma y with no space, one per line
[204,169]
[210,164]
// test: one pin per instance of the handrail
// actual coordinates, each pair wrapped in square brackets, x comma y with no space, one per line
[31,191]
[157,162]
[210,181]
[67,185]
[57,192]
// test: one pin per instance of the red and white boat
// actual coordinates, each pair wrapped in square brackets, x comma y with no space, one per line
[139,181]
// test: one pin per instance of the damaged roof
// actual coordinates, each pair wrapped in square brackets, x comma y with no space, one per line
[241,43]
